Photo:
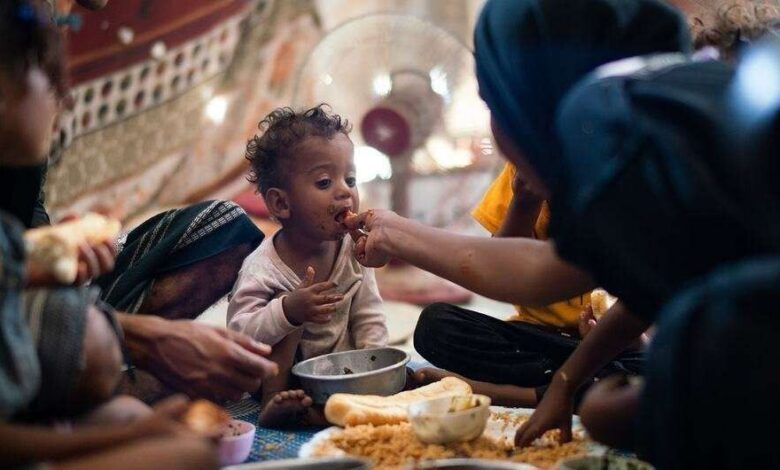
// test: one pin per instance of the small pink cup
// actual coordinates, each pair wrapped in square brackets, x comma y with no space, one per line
[236,444]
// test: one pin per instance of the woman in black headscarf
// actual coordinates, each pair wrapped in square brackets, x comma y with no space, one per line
[629,155]
[716,342]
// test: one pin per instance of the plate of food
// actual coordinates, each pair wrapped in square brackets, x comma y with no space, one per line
[378,429]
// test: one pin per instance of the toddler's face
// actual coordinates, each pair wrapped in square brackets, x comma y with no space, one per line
[322,186]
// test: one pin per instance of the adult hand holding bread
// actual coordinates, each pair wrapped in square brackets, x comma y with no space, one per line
[73,251]
[178,416]
[310,302]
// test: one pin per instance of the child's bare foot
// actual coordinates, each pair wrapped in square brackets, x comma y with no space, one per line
[286,409]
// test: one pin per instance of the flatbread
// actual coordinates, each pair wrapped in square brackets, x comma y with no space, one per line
[204,417]
[352,410]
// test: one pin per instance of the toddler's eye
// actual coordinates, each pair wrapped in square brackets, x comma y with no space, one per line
[323,183]
[351,181]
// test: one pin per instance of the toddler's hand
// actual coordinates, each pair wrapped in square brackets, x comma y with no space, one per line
[309,303]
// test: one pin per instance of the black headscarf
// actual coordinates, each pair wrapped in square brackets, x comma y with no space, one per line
[710,396]
[171,240]
[650,201]
[529,54]
[643,192]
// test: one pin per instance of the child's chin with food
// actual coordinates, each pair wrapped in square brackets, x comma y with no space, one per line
[339,219]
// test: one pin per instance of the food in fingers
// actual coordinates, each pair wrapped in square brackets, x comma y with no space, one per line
[344,216]
[205,418]
[56,248]
[601,301]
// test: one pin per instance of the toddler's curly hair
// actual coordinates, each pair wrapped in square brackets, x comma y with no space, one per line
[281,133]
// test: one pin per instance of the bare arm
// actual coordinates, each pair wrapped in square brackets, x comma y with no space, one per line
[519,221]
[21,444]
[516,270]
[195,358]
[611,335]
[522,213]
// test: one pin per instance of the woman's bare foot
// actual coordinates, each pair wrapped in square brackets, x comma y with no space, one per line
[289,408]
[429,375]
[500,394]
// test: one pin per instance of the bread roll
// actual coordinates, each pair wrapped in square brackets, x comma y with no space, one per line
[352,410]
[55,248]
[601,301]
[204,417]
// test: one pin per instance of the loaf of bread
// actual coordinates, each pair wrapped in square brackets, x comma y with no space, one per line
[601,301]
[204,417]
[55,248]
[352,410]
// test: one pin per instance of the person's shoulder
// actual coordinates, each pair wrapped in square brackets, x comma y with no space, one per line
[263,261]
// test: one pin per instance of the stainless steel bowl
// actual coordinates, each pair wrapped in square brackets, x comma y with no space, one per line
[380,371]
[335,463]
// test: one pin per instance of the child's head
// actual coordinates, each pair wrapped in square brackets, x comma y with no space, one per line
[303,165]
[31,81]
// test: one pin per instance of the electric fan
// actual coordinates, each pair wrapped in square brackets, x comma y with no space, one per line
[409,88]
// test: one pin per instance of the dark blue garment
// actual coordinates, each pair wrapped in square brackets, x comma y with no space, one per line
[712,382]
[649,202]
[529,54]
[19,370]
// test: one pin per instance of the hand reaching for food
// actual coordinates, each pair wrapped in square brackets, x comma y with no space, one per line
[554,411]
[310,302]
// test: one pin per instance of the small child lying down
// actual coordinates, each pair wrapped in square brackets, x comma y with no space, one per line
[301,290]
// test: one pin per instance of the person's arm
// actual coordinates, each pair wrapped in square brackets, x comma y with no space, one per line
[195,358]
[256,311]
[366,320]
[516,270]
[20,444]
[608,338]
[522,213]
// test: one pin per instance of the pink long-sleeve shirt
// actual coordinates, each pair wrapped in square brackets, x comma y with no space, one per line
[256,303]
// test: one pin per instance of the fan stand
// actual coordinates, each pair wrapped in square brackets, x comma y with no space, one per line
[403,282]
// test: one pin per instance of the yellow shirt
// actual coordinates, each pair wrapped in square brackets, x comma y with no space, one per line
[490,213]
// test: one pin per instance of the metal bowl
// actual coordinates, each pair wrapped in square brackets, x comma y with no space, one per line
[336,463]
[470,464]
[380,371]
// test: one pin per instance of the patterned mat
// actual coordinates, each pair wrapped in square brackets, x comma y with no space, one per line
[270,444]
